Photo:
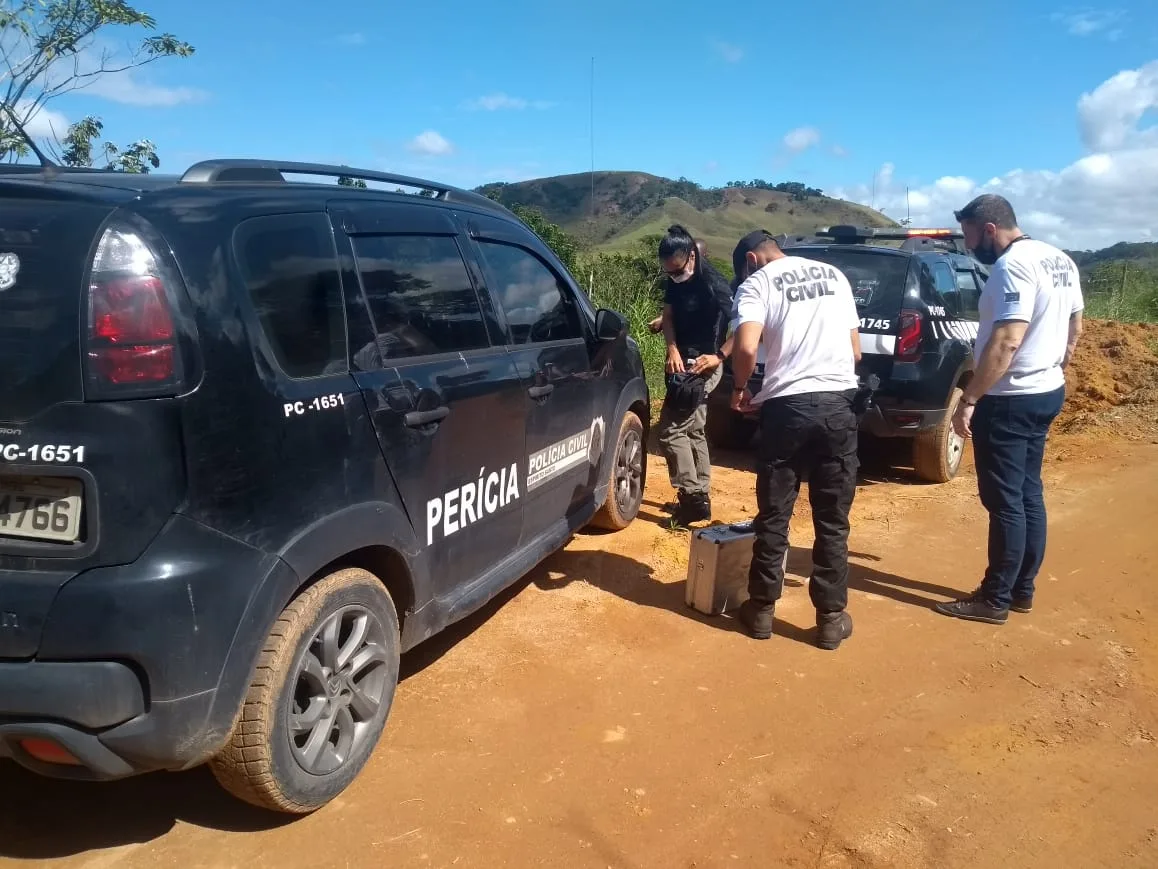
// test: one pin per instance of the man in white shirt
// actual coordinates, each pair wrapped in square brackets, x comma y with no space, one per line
[804,312]
[1031,318]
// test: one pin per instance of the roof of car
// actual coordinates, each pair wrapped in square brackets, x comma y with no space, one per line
[235,174]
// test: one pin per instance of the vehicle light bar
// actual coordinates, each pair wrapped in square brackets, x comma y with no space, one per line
[850,233]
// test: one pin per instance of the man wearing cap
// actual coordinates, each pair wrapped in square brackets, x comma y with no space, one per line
[1031,318]
[805,314]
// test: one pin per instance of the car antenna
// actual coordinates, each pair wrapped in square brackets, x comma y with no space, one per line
[45,163]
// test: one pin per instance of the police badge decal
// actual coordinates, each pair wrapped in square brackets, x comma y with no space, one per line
[9,269]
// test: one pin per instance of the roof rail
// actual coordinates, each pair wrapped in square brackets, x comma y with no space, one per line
[785,240]
[243,171]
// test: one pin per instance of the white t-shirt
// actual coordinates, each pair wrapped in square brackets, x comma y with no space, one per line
[1038,284]
[808,313]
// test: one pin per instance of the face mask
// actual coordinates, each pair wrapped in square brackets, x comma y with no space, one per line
[686,274]
[985,252]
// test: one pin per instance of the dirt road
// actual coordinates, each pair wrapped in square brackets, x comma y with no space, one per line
[588,719]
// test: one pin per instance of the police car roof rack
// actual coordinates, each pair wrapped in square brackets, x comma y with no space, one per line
[244,171]
[913,240]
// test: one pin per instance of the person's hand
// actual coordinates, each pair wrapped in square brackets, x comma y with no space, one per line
[741,400]
[963,420]
[707,362]
[655,325]
[675,362]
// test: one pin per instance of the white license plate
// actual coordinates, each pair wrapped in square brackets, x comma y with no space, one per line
[40,508]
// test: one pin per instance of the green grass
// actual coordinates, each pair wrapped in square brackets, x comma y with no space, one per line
[629,283]
[1123,291]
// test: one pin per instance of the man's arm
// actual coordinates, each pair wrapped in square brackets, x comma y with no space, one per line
[745,343]
[995,358]
[854,336]
[1015,291]
[1074,335]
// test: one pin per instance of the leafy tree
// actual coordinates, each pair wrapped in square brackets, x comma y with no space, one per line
[79,141]
[555,237]
[347,181]
[48,48]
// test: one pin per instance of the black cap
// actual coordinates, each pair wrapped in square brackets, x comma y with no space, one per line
[748,243]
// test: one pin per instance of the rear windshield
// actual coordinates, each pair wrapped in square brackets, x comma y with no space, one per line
[878,280]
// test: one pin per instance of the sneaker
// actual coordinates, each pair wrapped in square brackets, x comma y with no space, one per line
[832,629]
[757,618]
[1022,604]
[974,608]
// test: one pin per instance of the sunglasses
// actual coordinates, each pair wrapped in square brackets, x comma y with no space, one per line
[676,272]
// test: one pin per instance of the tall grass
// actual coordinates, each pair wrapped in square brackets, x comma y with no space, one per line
[1123,291]
[630,284]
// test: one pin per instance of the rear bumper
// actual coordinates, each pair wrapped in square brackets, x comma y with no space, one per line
[142,667]
[887,418]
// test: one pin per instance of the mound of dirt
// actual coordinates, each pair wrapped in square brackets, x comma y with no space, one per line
[1112,381]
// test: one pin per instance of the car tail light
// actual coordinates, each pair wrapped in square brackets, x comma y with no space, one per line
[47,751]
[909,337]
[132,340]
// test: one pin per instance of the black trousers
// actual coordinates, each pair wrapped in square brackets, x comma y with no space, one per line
[813,436]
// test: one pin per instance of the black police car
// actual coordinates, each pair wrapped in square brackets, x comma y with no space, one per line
[259,436]
[918,305]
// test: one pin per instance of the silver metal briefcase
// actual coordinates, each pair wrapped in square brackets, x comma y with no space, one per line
[718,567]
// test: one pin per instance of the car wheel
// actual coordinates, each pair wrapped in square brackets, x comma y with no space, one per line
[728,430]
[319,698]
[625,486]
[937,453]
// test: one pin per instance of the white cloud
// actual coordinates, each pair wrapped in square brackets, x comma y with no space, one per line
[502,102]
[801,139]
[729,52]
[352,39]
[1090,21]
[1108,195]
[431,144]
[839,151]
[1109,115]
[43,123]
[129,88]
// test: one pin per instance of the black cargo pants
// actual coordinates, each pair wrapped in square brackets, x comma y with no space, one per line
[812,435]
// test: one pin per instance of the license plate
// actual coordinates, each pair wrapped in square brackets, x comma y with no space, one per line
[40,508]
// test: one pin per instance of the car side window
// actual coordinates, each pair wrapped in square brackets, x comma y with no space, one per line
[290,269]
[946,285]
[537,304]
[420,295]
[970,294]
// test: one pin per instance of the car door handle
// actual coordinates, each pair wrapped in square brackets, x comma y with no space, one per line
[541,391]
[417,418]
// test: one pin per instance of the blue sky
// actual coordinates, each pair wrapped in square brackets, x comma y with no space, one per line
[825,93]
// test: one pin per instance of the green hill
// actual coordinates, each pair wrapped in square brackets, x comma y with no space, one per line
[628,206]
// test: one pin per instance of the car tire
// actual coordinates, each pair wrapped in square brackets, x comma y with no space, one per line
[727,430]
[937,453]
[332,658]
[625,477]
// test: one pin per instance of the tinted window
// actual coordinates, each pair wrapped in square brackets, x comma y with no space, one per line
[970,294]
[878,280]
[537,306]
[420,295]
[943,278]
[291,272]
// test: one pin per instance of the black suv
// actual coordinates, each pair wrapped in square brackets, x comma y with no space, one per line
[261,435]
[918,324]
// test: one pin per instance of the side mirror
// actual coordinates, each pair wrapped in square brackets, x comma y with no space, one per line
[609,325]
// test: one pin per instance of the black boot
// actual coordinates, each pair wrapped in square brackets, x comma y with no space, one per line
[692,508]
[757,617]
[832,629]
